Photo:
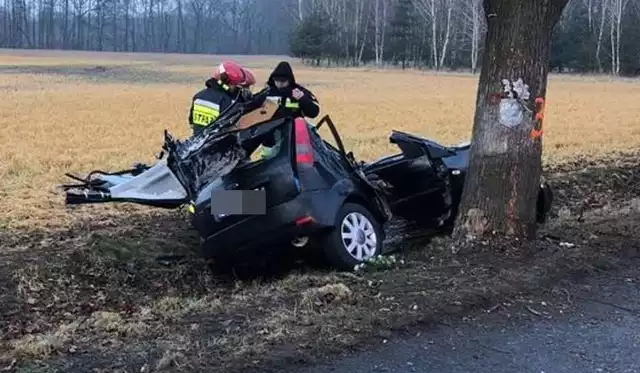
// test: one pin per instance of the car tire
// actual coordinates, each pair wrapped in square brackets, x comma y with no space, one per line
[336,243]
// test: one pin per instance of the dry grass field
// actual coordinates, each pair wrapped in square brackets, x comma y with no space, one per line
[80,286]
[57,117]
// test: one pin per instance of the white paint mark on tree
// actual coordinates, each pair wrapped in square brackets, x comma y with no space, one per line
[511,105]
[521,89]
[510,112]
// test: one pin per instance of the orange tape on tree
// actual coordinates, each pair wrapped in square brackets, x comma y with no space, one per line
[536,131]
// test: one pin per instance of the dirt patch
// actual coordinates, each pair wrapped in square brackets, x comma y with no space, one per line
[94,297]
[583,184]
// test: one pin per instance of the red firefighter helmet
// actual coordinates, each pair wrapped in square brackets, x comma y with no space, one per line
[232,73]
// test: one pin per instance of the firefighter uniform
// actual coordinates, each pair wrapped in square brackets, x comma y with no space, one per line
[306,106]
[288,105]
[207,104]
[230,81]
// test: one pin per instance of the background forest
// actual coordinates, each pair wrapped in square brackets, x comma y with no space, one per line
[600,36]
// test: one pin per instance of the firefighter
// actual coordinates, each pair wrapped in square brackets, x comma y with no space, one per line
[230,82]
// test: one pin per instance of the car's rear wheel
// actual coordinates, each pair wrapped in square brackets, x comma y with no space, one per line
[357,236]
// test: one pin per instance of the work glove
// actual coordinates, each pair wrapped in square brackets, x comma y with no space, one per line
[297,93]
[266,152]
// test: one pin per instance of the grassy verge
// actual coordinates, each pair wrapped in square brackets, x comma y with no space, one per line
[96,297]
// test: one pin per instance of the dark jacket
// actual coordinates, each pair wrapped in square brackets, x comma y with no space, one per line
[307,106]
[207,104]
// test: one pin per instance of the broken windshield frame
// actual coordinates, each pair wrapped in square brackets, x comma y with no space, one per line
[234,112]
[185,158]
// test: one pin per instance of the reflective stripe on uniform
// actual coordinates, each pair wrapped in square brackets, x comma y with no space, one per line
[224,86]
[291,105]
[268,151]
[204,112]
[206,103]
[275,99]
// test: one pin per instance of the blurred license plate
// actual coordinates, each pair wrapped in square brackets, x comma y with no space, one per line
[238,202]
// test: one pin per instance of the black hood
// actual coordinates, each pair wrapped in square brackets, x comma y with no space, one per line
[213,83]
[283,70]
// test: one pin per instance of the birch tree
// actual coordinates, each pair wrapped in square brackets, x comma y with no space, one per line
[473,15]
[380,14]
[604,7]
[617,12]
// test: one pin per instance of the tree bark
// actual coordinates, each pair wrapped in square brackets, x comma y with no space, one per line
[501,186]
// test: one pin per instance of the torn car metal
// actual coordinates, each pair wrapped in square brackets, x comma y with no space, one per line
[424,182]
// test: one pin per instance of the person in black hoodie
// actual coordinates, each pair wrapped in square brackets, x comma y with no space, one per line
[230,82]
[292,98]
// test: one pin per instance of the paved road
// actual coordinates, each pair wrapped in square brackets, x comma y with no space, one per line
[599,331]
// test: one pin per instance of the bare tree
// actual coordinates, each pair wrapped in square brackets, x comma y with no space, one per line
[449,6]
[432,12]
[603,16]
[589,5]
[427,10]
[473,29]
[501,187]
[617,12]
[380,14]
[79,12]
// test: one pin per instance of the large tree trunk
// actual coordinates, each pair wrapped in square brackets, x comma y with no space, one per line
[502,183]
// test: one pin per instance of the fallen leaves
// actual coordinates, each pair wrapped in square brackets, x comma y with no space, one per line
[327,294]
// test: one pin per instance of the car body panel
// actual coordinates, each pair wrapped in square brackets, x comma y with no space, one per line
[154,186]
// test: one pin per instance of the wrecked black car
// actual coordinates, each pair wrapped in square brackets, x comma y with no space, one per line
[423,182]
[306,192]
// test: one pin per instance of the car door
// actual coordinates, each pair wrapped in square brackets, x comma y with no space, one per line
[421,179]
[346,167]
